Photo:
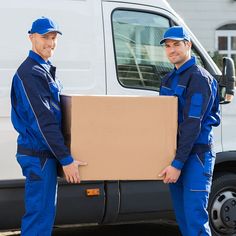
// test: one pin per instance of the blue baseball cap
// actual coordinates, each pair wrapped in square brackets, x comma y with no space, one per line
[176,33]
[44,25]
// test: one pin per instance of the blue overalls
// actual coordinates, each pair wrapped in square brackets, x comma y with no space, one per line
[36,116]
[198,111]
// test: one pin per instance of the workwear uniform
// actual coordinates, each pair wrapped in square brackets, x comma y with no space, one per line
[36,115]
[198,111]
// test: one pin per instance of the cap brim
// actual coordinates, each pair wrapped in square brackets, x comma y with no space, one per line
[172,38]
[42,32]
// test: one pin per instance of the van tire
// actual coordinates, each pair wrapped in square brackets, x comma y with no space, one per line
[222,205]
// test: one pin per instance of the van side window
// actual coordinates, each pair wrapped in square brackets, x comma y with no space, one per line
[140,59]
[198,57]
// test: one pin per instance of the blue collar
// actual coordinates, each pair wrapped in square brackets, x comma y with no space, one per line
[39,59]
[186,65]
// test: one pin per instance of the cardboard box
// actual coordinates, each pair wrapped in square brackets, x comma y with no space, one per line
[120,137]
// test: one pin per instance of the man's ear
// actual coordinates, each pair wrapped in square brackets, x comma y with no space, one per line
[31,36]
[190,44]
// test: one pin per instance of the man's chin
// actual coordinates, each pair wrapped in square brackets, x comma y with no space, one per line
[174,62]
[48,55]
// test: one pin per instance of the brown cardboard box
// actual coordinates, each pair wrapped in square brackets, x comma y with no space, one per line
[120,137]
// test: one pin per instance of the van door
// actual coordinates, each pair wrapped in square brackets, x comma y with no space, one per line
[135,63]
[135,59]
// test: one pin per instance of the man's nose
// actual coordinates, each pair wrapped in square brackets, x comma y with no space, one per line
[50,42]
[172,49]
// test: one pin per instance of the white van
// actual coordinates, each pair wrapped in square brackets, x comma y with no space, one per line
[109,47]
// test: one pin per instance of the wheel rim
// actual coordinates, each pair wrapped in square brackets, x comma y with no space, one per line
[223,213]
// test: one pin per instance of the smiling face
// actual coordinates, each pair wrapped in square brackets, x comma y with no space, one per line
[178,52]
[44,45]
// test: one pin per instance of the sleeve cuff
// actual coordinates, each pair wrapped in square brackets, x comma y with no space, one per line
[66,160]
[177,164]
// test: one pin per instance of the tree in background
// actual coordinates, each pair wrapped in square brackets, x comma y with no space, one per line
[217,58]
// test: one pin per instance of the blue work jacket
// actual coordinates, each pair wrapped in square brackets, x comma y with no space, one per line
[198,107]
[36,112]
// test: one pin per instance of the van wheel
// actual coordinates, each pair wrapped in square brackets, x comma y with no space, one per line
[222,205]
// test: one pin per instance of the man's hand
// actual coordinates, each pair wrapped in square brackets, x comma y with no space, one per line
[170,174]
[71,171]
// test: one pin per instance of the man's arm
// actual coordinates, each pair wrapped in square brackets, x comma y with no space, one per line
[197,99]
[198,96]
[45,125]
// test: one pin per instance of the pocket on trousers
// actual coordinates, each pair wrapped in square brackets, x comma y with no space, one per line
[196,174]
[31,167]
[208,161]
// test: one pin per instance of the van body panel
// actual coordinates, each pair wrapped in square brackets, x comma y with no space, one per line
[79,57]
[95,57]
[229,126]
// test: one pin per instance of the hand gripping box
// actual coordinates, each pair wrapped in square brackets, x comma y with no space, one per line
[120,137]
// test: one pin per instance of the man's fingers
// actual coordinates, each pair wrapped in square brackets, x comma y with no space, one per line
[71,179]
[76,178]
[169,180]
[80,163]
[166,180]
[67,179]
[72,172]
[162,173]
[173,181]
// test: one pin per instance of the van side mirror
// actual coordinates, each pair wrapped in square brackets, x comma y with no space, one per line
[227,82]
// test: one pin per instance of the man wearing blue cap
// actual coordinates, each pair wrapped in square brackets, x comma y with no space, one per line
[36,115]
[190,173]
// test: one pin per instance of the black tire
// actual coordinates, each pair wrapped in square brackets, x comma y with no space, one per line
[222,205]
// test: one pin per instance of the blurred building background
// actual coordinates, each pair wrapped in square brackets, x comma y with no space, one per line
[213,22]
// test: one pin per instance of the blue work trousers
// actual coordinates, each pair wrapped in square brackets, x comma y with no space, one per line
[190,195]
[40,195]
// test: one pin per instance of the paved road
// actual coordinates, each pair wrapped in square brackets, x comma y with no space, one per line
[146,229]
